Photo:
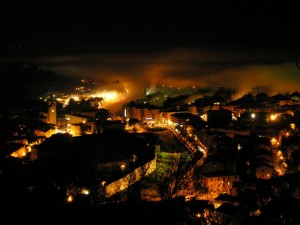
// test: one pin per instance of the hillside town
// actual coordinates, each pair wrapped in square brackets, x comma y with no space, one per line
[141,114]
[239,160]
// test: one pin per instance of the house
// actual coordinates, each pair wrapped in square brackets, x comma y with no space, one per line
[220,182]
[228,199]
[142,112]
[212,165]
[184,118]
[44,132]
[17,150]
[263,171]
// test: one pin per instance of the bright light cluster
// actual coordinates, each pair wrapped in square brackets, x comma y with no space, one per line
[108,97]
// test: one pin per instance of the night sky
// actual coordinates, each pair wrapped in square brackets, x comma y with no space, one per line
[237,47]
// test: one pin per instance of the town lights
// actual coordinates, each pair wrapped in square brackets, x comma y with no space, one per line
[103,183]
[274,142]
[198,215]
[85,191]
[70,198]
[273,117]
[123,166]
[239,147]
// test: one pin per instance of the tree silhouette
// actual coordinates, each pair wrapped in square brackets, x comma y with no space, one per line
[178,178]
[133,121]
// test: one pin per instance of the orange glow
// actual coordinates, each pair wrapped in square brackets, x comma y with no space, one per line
[70,198]
[273,117]
[123,166]
[273,142]
[85,191]
[279,153]
[184,67]
[110,96]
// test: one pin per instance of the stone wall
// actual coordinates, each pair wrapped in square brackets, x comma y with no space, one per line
[130,178]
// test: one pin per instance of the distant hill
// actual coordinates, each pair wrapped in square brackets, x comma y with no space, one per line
[20,83]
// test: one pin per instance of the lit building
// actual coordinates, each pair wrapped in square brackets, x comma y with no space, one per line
[52,111]
[143,113]
[77,118]
[45,132]
[264,171]
[220,182]
[78,124]
[184,118]
[75,129]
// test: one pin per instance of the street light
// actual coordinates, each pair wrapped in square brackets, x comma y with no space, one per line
[70,198]
[198,215]
[123,166]
[103,183]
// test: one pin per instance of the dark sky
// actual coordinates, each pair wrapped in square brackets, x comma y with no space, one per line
[240,46]
[43,29]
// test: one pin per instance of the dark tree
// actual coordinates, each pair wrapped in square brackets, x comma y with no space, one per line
[133,121]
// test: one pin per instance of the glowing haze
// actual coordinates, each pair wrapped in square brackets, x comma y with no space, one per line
[179,67]
[241,46]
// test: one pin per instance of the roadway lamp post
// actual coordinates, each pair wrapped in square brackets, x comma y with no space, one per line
[101,193]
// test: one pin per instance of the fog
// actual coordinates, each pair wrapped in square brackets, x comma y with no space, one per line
[241,70]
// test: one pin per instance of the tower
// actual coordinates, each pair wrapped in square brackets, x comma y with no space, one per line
[51,110]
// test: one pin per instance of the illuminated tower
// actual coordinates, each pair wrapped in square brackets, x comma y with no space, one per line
[52,110]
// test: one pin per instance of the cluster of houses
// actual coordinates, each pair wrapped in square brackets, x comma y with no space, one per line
[247,141]
[271,121]
[254,137]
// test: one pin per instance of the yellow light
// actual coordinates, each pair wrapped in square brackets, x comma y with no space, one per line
[85,191]
[239,147]
[273,141]
[123,166]
[279,153]
[70,198]
[108,96]
[258,212]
